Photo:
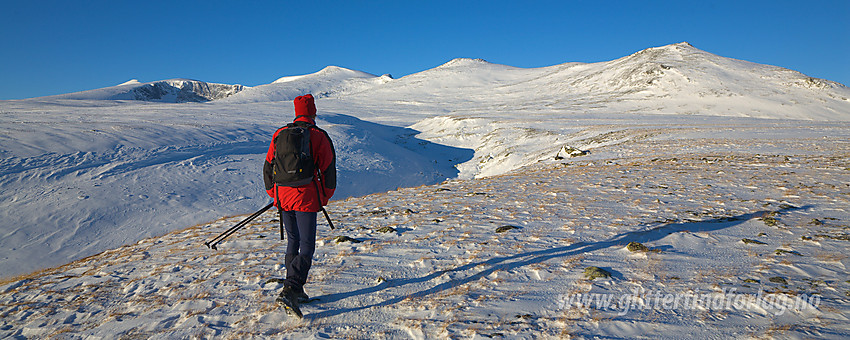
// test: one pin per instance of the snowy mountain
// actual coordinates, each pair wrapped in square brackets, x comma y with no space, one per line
[681,79]
[565,150]
[165,91]
[475,104]
[330,81]
[673,79]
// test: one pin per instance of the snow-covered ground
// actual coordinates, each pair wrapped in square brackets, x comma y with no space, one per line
[444,270]
[689,154]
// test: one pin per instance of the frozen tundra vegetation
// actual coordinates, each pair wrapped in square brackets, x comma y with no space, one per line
[504,256]
[668,192]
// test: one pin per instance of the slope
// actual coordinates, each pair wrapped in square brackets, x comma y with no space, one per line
[504,256]
[330,81]
[673,79]
[164,91]
[514,117]
[83,177]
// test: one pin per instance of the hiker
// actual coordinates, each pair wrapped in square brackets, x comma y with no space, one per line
[299,202]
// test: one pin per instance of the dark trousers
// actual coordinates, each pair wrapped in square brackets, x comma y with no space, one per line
[300,245]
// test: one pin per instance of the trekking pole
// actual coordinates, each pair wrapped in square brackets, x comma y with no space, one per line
[328,218]
[216,240]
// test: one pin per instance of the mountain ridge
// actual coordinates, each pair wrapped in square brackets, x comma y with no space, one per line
[673,79]
[175,90]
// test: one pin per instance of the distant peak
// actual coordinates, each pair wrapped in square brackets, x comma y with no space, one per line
[465,61]
[130,82]
[332,71]
[342,70]
[677,50]
[335,69]
[677,47]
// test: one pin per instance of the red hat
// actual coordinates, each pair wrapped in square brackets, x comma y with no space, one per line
[305,106]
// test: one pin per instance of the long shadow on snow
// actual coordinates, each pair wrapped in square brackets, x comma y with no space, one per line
[506,263]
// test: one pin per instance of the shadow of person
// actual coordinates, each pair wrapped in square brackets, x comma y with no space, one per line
[507,263]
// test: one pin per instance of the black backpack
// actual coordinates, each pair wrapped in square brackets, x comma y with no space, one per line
[293,159]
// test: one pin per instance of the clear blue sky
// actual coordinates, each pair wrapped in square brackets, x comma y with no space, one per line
[53,47]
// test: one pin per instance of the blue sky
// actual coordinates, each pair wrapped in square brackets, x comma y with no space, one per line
[53,47]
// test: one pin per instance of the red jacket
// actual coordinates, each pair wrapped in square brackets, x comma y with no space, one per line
[305,198]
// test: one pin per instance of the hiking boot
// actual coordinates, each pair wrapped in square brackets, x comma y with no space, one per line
[301,296]
[288,293]
[289,301]
[294,294]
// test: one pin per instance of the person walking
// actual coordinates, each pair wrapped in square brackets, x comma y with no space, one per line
[299,201]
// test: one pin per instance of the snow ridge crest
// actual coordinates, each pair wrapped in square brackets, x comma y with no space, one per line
[464,62]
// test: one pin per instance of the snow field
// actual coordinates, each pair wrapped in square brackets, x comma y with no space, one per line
[79,171]
[121,172]
[709,194]
[445,271]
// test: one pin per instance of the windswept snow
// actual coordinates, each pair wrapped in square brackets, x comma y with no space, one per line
[431,262]
[685,151]
[93,178]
